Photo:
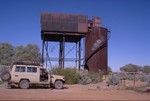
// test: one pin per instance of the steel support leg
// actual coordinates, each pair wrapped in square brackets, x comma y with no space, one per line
[79,54]
[43,52]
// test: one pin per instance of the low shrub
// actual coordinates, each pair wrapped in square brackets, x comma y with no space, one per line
[89,77]
[71,75]
[113,79]
[95,77]
[84,80]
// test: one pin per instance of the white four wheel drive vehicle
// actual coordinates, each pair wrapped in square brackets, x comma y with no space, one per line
[25,74]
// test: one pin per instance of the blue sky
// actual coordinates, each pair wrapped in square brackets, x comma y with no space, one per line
[128,21]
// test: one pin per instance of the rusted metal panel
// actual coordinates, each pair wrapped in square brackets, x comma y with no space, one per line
[99,60]
[65,23]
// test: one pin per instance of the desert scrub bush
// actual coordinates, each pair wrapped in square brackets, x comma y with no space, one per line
[131,77]
[145,78]
[95,77]
[84,79]
[87,77]
[71,75]
[113,79]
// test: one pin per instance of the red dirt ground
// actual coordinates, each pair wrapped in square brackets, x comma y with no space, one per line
[72,92]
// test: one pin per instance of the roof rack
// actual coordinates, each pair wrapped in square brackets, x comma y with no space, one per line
[27,63]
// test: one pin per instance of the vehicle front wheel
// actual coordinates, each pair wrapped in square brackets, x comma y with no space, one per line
[24,84]
[58,84]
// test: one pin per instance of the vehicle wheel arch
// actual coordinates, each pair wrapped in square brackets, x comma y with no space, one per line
[24,79]
[59,80]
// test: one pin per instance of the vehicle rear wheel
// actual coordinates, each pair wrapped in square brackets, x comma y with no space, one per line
[24,84]
[5,76]
[58,84]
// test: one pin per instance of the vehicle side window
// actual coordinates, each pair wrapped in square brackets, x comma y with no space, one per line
[20,69]
[32,69]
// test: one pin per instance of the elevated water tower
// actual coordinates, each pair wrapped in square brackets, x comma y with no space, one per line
[72,28]
[63,28]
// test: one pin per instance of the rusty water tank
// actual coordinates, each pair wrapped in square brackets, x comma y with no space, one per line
[66,23]
[54,26]
[98,61]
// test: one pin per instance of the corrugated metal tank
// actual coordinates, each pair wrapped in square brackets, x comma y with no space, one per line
[68,23]
[99,60]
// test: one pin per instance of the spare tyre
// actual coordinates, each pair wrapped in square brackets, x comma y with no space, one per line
[5,76]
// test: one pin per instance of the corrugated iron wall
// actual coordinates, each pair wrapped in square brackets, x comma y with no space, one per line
[99,60]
